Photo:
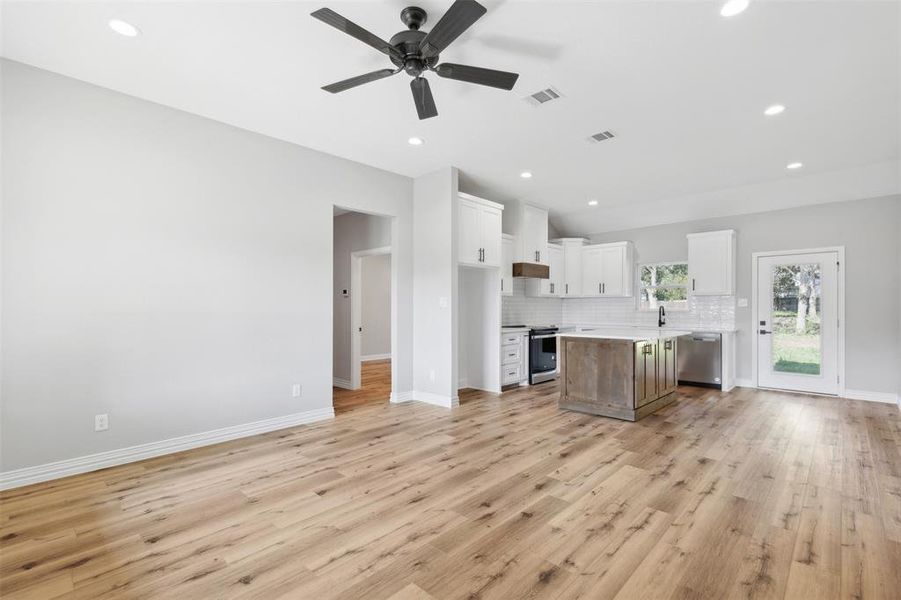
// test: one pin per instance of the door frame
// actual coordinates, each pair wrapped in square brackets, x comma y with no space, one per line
[840,310]
[356,309]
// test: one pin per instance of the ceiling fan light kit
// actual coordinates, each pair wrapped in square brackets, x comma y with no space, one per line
[416,52]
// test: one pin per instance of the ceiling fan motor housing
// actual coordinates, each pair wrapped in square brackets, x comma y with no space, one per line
[408,44]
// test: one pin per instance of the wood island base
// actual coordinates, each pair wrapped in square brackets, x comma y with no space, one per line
[620,378]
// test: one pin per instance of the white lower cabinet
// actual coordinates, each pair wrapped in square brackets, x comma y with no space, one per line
[514,358]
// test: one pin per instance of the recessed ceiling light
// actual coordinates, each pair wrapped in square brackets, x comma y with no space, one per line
[773,110]
[794,165]
[733,7]
[123,28]
[592,203]
[526,174]
[415,141]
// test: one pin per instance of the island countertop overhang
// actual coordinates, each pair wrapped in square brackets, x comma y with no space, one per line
[635,335]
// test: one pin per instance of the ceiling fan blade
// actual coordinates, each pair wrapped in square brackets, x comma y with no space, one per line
[458,18]
[422,96]
[330,17]
[353,82]
[489,77]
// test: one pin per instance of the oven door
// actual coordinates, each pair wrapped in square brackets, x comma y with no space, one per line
[542,357]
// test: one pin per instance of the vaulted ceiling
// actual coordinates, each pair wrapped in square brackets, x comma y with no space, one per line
[681,87]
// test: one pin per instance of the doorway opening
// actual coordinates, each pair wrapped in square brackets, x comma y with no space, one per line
[798,340]
[364,294]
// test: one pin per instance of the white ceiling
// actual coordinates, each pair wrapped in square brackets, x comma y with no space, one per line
[682,88]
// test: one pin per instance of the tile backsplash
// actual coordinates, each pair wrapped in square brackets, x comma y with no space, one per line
[711,312]
[520,309]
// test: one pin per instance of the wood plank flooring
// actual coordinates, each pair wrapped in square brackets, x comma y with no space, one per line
[375,387]
[748,494]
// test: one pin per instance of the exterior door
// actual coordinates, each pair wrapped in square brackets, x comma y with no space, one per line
[797,322]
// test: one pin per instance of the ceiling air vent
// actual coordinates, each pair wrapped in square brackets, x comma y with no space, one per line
[543,96]
[604,135]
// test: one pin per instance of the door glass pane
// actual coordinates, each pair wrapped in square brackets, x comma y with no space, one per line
[797,341]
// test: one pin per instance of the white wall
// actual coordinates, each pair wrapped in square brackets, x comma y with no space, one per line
[435,287]
[869,231]
[166,269]
[376,280]
[353,232]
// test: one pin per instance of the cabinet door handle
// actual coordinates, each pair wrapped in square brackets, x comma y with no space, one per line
[668,345]
[599,288]
[566,288]
[603,288]
[692,284]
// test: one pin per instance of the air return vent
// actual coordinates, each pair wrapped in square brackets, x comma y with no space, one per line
[543,96]
[604,135]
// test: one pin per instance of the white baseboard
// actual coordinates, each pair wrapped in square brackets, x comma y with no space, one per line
[341,383]
[111,458]
[375,357]
[398,397]
[886,397]
[437,399]
[745,383]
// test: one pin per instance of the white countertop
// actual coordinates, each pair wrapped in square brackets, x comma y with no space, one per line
[514,330]
[664,328]
[634,334]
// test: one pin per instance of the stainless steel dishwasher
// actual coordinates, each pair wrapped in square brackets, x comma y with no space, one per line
[700,359]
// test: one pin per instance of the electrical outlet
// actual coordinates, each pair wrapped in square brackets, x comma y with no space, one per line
[296,390]
[101,422]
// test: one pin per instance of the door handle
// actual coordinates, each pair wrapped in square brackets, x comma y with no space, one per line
[764,332]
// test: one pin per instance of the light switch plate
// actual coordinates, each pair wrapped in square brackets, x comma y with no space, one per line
[742,303]
[442,302]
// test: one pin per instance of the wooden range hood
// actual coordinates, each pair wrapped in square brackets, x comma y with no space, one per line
[531,270]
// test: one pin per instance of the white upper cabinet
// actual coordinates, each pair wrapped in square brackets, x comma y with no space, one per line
[572,266]
[607,270]
[479,235]
[507,265]
[711,263]
[533,235]
[553,286]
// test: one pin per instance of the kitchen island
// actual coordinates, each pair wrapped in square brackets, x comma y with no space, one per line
[621,373]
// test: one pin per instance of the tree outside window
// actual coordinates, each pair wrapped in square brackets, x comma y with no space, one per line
[664,284]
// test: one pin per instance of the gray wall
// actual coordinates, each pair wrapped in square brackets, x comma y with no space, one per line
[376,309]
[353,232]
[166,269]
[869,231]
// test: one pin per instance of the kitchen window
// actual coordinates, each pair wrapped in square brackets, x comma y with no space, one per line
[664,284]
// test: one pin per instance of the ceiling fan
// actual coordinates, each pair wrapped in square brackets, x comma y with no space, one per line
[416,52]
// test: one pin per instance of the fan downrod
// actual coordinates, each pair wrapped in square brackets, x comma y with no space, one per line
[413,17]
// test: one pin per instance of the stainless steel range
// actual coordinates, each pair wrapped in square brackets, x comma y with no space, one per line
[542,353]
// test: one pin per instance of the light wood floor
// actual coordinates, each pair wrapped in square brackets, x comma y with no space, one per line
[375,387]
[748,494]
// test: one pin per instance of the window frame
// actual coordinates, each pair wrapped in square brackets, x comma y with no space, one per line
[642,287]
